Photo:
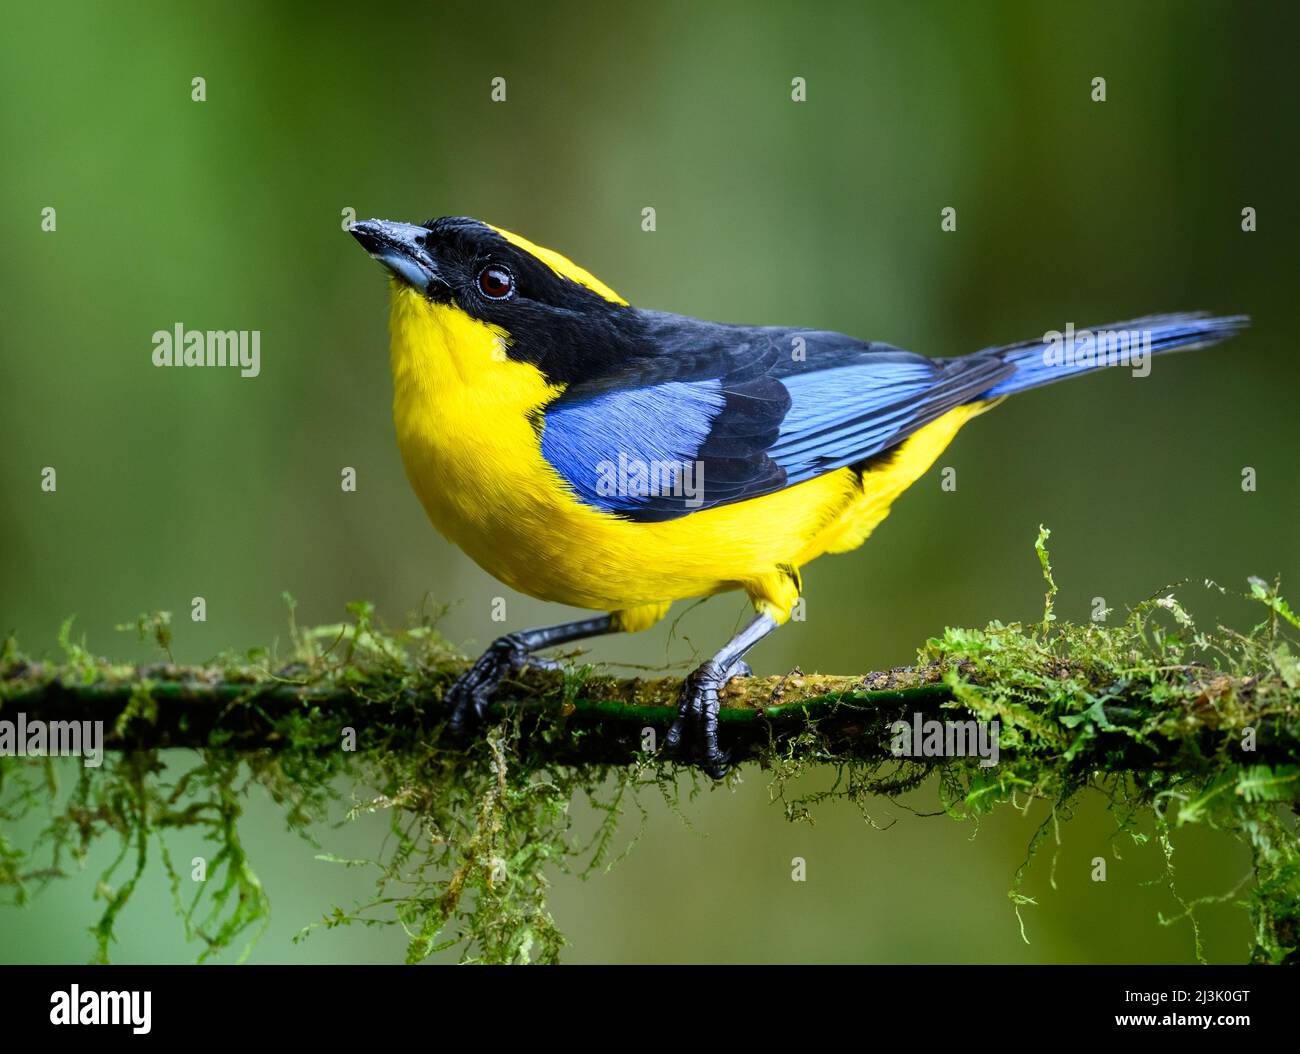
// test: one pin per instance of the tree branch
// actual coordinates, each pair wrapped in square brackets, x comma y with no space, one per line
[244,707]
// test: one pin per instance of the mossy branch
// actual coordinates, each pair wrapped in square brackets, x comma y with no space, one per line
[243,707]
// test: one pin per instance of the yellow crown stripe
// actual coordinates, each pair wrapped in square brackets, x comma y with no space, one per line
[562,265]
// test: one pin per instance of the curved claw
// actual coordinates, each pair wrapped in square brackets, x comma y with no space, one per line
[468,697]
[694,735]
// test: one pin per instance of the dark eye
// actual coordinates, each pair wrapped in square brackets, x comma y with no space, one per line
[495,282]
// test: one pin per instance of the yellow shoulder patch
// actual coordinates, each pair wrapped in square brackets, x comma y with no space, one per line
[561,265]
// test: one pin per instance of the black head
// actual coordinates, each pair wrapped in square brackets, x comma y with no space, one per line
[566,328]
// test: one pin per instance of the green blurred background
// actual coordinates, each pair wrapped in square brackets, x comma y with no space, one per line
[228,214]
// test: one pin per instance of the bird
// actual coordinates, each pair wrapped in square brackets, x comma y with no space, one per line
[618,459]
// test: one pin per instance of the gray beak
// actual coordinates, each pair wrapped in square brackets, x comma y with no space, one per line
[401,248]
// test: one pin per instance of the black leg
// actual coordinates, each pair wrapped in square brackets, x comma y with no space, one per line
[694,735]
[468,697]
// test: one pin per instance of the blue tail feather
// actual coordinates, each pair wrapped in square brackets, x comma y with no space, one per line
[1058,355]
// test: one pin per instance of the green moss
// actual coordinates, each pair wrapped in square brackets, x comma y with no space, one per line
[1153,712]
[1166,720]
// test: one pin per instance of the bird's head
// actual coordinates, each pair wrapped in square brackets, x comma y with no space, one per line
[546,310]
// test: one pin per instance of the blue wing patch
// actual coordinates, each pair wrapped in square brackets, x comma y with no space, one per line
[619,448]
[663,448]
[846,412]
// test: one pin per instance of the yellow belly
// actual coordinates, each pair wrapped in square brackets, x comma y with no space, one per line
[465,414]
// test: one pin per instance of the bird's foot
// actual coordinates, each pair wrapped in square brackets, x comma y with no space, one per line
[468,697]
[693,737]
